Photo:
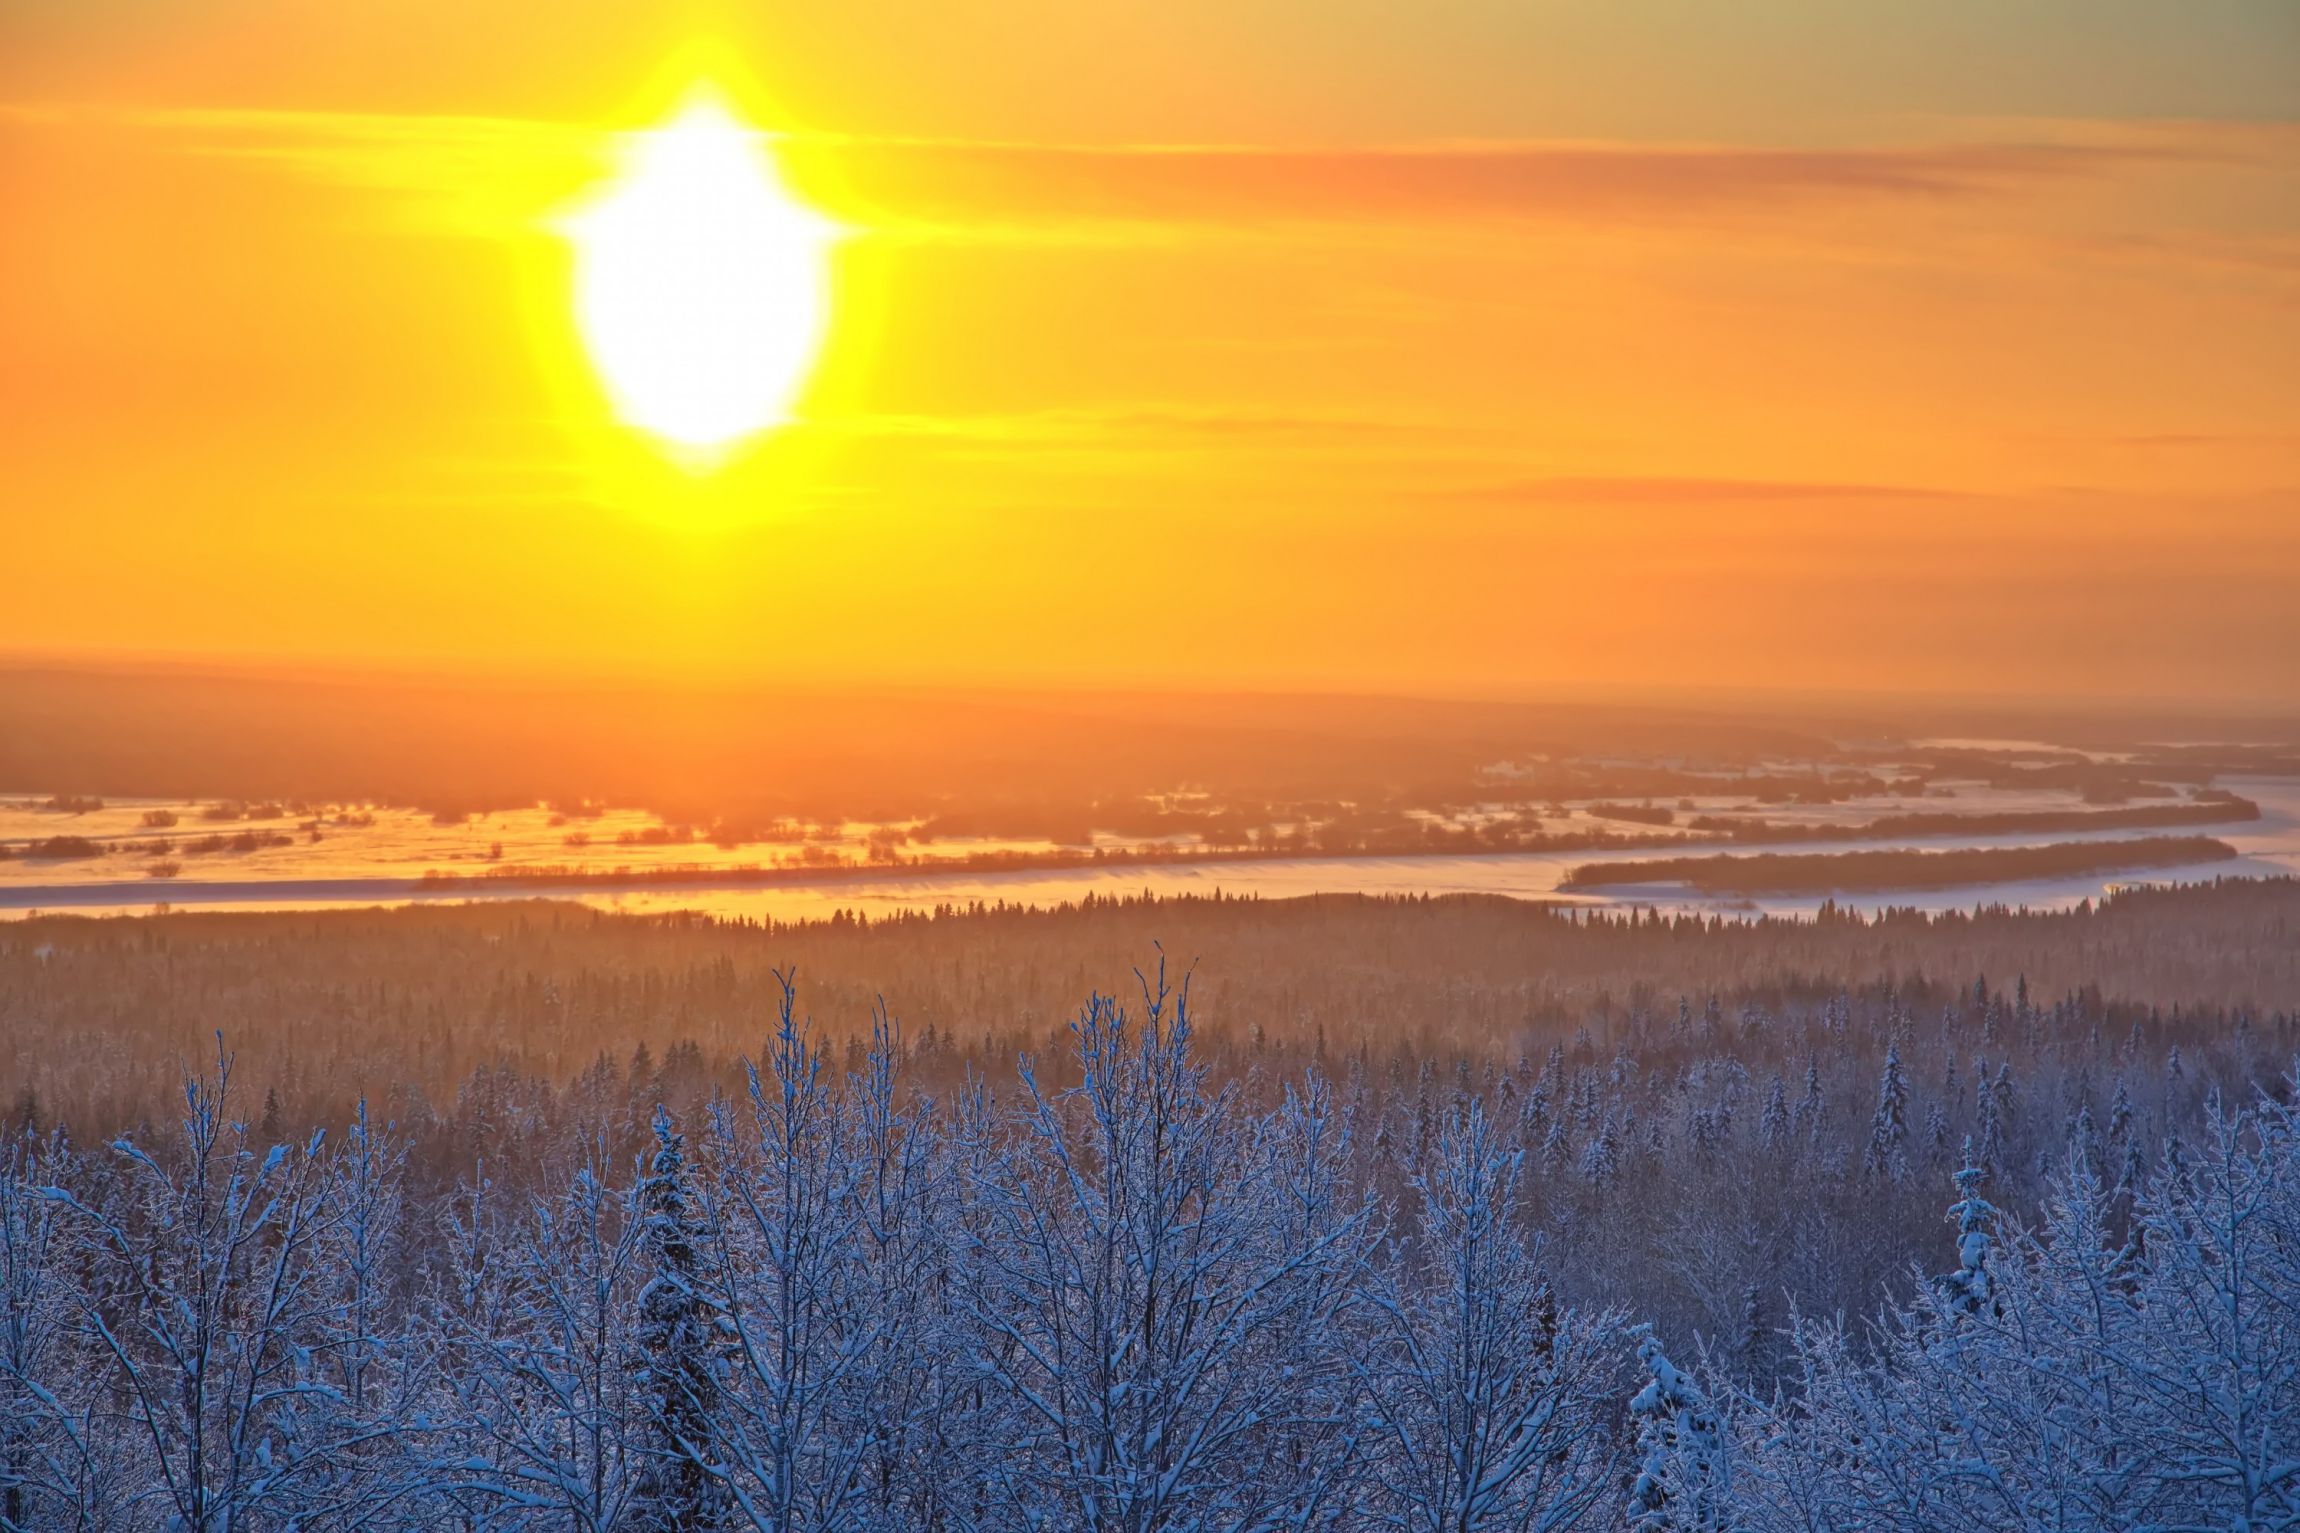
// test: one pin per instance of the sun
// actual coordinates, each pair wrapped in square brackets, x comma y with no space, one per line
[701,287]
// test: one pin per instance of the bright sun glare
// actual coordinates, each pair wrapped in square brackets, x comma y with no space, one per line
[701,287]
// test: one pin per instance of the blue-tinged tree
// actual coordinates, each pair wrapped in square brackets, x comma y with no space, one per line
[678,1351]
[1883,1159]
[55,1467]
[543,1359]
[793,1293]
[1489,1400]
[1137,1283]
[1682,1484]
[203,1322]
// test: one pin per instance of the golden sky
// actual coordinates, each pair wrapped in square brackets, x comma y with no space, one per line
[1471,346]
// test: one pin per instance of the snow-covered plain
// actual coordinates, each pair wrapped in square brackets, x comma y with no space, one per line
[381,855]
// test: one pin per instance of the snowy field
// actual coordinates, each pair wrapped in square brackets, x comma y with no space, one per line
[381,856]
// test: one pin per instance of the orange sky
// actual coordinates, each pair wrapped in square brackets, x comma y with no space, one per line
[1471,346]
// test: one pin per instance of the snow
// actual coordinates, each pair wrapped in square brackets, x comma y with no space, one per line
[381,863]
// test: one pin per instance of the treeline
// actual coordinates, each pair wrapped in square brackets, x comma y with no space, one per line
[1865,872]
[325,1007]
[2209,808]
[1131,1293]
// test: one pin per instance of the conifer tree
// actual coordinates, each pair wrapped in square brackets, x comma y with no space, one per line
[1678,1486]
[1812,1107]
[677,1341]
[1773,1124]
[1889,1127]
[1969,1289]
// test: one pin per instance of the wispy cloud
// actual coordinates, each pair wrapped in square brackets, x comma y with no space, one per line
[485,176]
[1149,427]
[1008,183]
[336,140]
[1602,490]
[958,183]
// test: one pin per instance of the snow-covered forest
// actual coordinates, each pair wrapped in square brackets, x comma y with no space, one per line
[1120,1290]
[1413,1214]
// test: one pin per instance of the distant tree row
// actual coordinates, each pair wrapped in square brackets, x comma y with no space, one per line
[1823,872]
[326,1007]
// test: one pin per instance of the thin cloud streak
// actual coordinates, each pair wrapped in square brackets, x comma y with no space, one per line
[961,183]
[1153,427]
[1600,490]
